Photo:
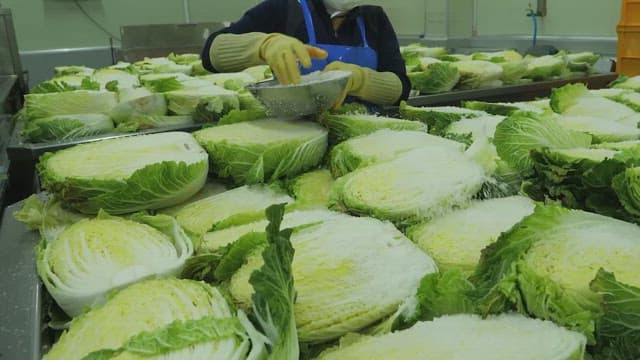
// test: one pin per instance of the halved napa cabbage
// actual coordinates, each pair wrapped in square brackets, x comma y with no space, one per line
[128,174]
[158,305]
[234,207]
[624,82]
[69,103]
[475,74]
[627,187]
[576,100]
[240,79]
[545,67]
[216,240]
[546,263]
[600,129]
[208,103]
[123,79]
[522,132]
[90,258]
[263,150]
[66,127]
[73,70]
[438,118]
[161,65]
[138,101]
[349,273]
[211,188]
[312,188]
[507,336]
[343,127]
[501,108]
[381,146]
[418,185]
[434,77]
[456,240]
[476,128]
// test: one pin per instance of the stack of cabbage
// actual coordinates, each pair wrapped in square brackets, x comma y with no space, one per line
[433,70]
[356,237]
[153,93]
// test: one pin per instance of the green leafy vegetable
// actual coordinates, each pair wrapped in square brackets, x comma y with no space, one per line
[264,150]
[168,169]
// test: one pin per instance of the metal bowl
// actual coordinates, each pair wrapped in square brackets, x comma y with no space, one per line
[317,92]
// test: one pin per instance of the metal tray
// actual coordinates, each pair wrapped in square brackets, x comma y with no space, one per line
[21,295]
[510,93]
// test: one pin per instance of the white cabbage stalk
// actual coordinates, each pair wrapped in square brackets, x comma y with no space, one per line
[128,174]
[455,240]
[507,336]
[238,206]
[418,185]
[92,257]
[349,273]
[149,306]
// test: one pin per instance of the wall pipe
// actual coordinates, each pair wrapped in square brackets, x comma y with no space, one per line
[187,12]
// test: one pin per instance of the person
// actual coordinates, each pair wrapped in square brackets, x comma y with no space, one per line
[296,37]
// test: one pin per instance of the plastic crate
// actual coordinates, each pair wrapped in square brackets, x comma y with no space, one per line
[630,12]
[628,50]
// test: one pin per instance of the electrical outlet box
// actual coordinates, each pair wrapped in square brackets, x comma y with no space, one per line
[542,8]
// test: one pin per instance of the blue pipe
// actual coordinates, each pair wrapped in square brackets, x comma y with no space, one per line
[535,29]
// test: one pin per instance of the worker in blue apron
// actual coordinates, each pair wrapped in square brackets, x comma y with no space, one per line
[296,37]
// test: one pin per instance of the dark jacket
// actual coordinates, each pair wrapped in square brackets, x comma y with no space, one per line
[285,17]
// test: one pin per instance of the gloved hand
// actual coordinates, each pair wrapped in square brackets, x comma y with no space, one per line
[282,53]
[359,77]
[382,88]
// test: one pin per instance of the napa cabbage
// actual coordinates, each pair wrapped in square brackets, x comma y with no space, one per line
[312,188]
[166,170]
[381,146]
[507,336]
[437,117]
[90,258]
[343,127]
[66,127]
[164,318]
[475,74]
[545,264]
[455,240]
[404,193]
[263,150]
[234,207]
[360,256]
[69,103]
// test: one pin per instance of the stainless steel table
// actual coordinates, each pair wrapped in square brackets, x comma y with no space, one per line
[21,314]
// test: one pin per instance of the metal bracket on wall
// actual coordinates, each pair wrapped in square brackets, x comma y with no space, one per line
[541,8]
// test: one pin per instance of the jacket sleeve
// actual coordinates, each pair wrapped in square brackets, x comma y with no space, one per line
[266,17]
[389,57]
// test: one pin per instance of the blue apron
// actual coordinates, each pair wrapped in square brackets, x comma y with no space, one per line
[358,55]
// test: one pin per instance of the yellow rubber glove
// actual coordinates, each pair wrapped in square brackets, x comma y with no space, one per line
[283,53]
[382,88]
[356,81]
